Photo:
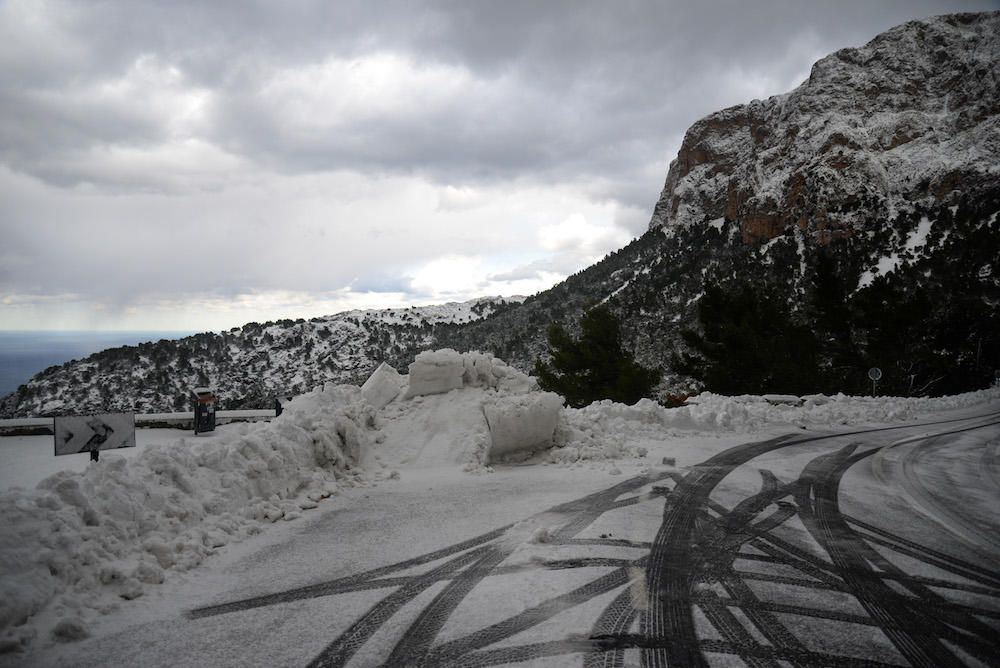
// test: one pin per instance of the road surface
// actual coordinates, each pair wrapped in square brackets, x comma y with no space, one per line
[873,547]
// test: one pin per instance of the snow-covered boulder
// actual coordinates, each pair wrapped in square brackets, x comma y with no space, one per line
[382,386]
[521,424]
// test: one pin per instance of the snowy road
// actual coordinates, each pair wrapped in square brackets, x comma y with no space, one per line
[873,547]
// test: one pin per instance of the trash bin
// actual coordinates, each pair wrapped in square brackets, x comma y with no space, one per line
[204,410]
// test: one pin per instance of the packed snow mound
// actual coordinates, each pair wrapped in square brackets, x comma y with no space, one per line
[439,371]
[82,542]
[464,409]
[435,431]
[382,386]
[522,424]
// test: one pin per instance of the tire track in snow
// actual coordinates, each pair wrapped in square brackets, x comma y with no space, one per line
[915,633]
[672,562]
[709,546]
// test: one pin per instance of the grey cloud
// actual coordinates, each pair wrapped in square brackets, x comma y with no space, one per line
[382,283]
[596,88]
[524,272]
[587,94]
[560,263]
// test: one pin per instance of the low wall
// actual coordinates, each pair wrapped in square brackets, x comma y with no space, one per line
[181,420]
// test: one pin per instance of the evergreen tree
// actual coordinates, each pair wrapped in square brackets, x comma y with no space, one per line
[841,364]
[595,366]
[748,345]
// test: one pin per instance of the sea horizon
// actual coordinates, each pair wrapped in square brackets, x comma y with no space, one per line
[24,353]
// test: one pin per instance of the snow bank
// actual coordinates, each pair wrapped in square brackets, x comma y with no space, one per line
[440,371]
[436,372]
[80,542]
[442,420]
[750,413]
[522,424]
[606,430]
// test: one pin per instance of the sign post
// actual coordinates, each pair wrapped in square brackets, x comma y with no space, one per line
[93,433]
[875,374]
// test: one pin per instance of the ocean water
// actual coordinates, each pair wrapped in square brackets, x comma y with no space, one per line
[23,354]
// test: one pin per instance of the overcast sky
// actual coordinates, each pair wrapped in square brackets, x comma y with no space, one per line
[198,165]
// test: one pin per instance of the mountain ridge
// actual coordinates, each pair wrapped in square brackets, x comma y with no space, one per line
[780,195]
[248,366]
[910,117]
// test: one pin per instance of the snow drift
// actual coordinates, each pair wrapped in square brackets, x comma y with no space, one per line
[465,408]
[606,430]
[80,543]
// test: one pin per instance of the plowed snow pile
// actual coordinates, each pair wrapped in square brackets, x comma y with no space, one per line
[606,430]
[81,543]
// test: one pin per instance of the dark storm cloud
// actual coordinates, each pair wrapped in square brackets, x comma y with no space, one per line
[188,148]
[556,90]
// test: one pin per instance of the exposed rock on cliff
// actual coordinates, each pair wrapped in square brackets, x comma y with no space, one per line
[911,117]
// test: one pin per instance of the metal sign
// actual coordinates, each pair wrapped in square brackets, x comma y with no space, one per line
[93,433]
[875,373]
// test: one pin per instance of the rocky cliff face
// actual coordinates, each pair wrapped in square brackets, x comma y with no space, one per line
[866,202]
[909,118]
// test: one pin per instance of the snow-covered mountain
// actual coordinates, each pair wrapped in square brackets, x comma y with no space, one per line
[866,202]
[248,366]
[909,118]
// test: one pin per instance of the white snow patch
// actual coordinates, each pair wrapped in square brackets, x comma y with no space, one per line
[915,241]
[918,237]
[767,246]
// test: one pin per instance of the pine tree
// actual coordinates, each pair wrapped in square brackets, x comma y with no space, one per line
[748,345]
[595,366]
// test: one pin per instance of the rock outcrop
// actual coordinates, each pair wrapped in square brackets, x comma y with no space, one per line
[911,117]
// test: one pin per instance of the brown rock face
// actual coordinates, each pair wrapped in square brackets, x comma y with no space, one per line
[912,116]
[761,227]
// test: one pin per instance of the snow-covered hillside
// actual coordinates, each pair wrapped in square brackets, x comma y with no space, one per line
[247,366]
